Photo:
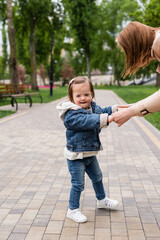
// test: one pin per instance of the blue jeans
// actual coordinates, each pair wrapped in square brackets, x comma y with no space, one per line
[77,169]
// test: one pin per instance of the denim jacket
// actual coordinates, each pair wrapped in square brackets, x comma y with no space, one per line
[83,128]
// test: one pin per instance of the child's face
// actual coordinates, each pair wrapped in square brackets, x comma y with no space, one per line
[82,94]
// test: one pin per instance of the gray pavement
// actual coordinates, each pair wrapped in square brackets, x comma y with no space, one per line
[35,183]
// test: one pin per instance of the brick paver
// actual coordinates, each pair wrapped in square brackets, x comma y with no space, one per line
[35,183]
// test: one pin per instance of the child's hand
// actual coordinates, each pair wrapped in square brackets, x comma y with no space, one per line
[110,118]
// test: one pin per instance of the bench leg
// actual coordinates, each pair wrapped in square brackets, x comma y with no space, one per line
[41,98]
[13,100]
[30,100]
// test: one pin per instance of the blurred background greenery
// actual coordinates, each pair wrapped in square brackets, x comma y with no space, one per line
[48,42]
[77,35]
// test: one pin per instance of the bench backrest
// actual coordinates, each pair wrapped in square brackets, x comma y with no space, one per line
[21,88]
[12,89]
[7,89]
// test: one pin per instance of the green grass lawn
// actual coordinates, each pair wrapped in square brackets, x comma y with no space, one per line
[58,92]
[131,94]
[4,113]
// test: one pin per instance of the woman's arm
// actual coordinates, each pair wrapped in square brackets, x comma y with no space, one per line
[144,107]
[148,105]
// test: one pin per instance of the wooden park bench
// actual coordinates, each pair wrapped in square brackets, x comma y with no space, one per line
[18,91]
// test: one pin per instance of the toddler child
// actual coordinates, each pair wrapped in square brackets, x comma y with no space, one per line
[83,120]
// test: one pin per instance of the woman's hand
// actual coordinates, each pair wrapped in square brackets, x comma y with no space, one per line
[123,115]
[124,106]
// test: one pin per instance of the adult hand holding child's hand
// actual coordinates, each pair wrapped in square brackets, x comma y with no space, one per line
[123,115]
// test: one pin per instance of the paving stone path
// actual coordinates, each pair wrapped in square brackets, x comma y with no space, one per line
[35,183]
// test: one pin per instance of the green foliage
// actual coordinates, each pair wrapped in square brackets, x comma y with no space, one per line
[42,38]
[39,11]
[147,71]
[152,13]
[79,64]
[57,69]
[33,10]
[3,75]
[113,15]
[1,67]
[82,15]
[3,11]
[93,29]
[4,52]
[29,14]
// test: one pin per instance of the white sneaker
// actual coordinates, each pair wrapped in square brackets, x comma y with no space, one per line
[107,203]
[76,215]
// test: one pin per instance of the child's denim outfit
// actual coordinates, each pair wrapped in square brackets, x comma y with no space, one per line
[82,133]
[77,169]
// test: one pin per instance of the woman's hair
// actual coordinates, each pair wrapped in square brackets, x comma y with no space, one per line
[79,80]
[136,40]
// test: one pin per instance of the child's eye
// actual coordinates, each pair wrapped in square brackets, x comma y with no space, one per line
[87,94]
[78,96]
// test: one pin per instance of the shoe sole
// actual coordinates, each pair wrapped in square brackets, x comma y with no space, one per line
[107,207]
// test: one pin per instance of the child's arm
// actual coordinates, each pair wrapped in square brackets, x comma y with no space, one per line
[106,116]
[85,121]
[109,110]
[80,120]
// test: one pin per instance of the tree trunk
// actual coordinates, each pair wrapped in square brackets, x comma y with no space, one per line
[117,77]
[158,80]
[88,66]
[12,42]
[33,58]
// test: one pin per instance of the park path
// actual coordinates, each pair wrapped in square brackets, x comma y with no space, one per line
[35,183]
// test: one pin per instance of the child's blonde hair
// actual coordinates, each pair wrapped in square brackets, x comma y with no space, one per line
[79,80]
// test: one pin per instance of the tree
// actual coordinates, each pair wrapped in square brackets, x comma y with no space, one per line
[82,22]
[11,33]
[4,51]
[115,14]
[42,35]
[34,11]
